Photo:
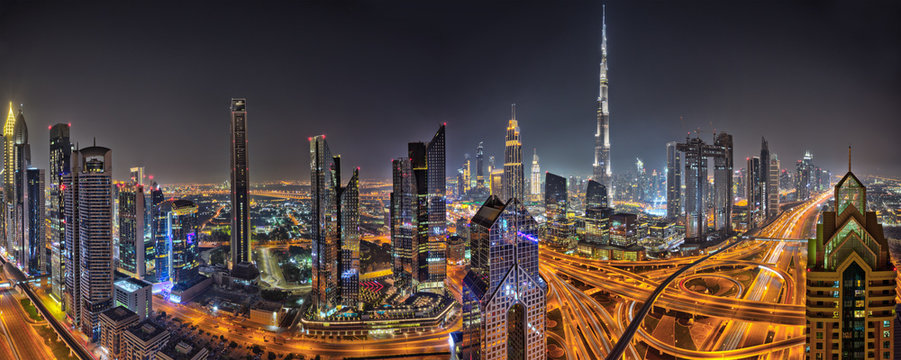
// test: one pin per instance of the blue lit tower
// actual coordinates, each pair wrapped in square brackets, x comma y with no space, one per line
[180,224]
[35,259]
[504,297]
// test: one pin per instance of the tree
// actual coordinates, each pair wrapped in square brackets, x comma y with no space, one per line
[233,345]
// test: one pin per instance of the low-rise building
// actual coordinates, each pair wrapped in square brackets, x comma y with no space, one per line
[182,350]
[113,323]
[136,295]
[144,340]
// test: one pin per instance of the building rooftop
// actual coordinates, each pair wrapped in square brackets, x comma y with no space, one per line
[119,313]
[181,349]
[131,284]
[146,330]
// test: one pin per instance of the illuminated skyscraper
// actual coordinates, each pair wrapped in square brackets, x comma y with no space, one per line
[513,171]
[559,227]
[137,175]
[60,153]
[180,244]
[480,165]
[602,173]
[335,229]
[89,206]
[754,191]
[16,159]
[535,183]
[34,216]
[696,155]
[595,195]
[805,181]
[673,180]
[419,214]
[131,230]
[240,201]
[504,298]
[772,188]
[157,250]
[850,281]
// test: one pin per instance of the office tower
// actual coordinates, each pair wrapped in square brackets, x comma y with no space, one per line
[695,156]
[805,170]
[143,340]
[136,295]
[595,195]
[513,172]
[772,188]
[131,230]
[763,176]
[601,168]
[240,201]
[176,247]
[404,207]
[437,200]
[504,298]
[113,323]
[559,228]
[17,158]
[89,205]
[156,246]
[535,183]
[722,182]
[467,174]
[419,216]
[850,281]
[753,191]
[35,259]
[673,180]
[137,175]
[480,166]
[60,153]
[497,182]
[335,229]
[349,235]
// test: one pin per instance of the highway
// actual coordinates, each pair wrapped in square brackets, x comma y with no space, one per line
[26,342]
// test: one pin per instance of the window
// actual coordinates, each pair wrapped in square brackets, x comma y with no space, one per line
[887,323]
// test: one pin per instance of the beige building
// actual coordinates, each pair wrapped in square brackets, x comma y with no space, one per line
[850,282]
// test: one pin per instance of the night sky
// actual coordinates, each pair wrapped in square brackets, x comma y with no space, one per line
[152,80]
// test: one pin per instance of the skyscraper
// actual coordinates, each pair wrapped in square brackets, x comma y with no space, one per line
[419,216]
[673,180]
[753,191]
[535,183]
[513,171]
[157,249]
[16,159]
[34,216]
[850,281]
[137,175]
[180,239]
[131,230]
[696,155]
[60,153]
[240,221]
[602,172]
[804,182]
[335,229]
[504,298]
[559,228]
[480,165]
[772,188]
[89,204]
[763,176]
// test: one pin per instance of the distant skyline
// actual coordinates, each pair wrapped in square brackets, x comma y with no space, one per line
[152,81]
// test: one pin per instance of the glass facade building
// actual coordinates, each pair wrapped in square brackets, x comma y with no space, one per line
[60,155]
[240,184]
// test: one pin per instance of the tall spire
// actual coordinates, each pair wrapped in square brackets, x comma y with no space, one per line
[601,167]
[513,111]
[849,158]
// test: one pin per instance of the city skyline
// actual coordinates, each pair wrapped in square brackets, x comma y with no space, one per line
[483,67]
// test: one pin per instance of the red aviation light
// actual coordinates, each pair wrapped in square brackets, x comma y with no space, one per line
[49,127]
